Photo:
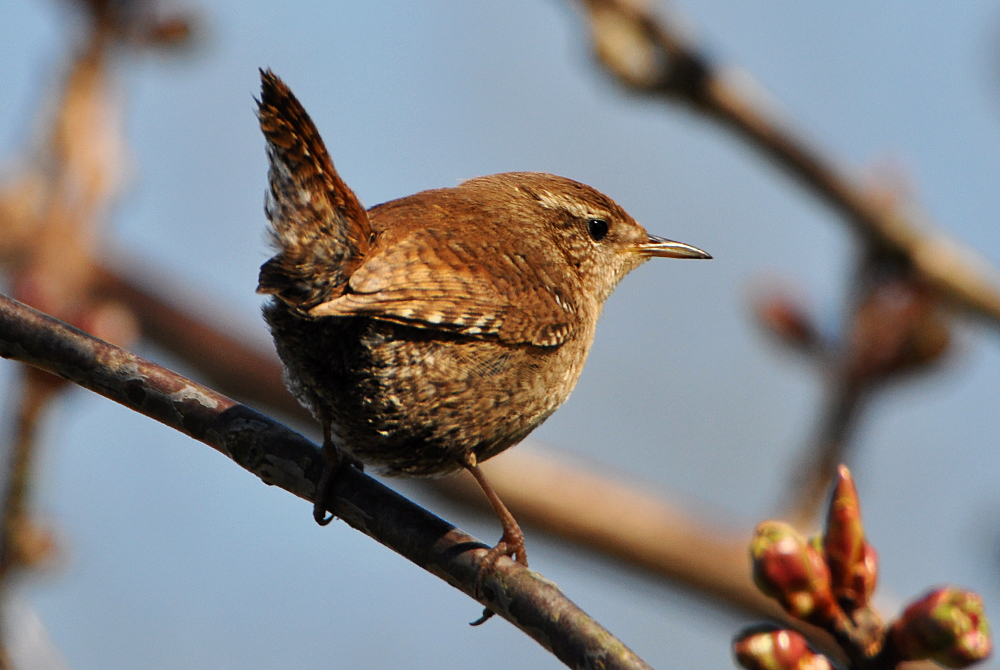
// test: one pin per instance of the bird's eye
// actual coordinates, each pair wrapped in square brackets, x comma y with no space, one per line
[598,229]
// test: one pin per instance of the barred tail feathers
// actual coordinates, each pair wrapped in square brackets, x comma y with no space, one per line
[319,227]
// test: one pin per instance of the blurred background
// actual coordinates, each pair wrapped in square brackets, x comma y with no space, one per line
[169,556]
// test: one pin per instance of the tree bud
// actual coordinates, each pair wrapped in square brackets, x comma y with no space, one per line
[790,570]
[852,561]
[777,650]
[947,626]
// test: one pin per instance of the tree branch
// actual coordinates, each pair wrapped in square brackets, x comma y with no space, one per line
[281,457]
[558,497]
[649,54]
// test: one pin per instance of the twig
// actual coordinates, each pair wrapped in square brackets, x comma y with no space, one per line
[810,483]
[650,55]
[280,457]
[16,541]
[895,328]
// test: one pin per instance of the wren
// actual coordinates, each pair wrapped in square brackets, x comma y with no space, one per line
[431,333]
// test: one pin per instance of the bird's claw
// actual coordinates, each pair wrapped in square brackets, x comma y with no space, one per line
[512,547]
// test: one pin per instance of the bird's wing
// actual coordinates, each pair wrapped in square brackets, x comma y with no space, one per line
[439,279]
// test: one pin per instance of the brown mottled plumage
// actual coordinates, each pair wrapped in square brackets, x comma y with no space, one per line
[434,331]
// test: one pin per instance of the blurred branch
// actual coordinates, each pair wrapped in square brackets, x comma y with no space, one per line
[636,527]
[629,525]
[650,54]
[810,477]
[49,219]
[283,458]
[554,496]
[22,543]
[235,367]
[893,330]
[51,212]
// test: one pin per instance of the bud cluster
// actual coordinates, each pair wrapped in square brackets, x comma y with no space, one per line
[828,581]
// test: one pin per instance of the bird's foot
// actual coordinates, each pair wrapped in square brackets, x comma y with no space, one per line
[323,492]
[511,545]
[335,463]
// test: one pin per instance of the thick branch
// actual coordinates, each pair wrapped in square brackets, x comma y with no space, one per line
[281,457]
[227,363]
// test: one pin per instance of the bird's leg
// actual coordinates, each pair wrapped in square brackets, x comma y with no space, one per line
[512,542]
[331,466]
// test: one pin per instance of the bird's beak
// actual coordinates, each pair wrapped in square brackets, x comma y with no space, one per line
[658,246]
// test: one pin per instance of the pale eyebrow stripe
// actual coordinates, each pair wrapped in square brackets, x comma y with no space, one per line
[571,205]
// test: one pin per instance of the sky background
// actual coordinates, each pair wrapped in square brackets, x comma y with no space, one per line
[176,558]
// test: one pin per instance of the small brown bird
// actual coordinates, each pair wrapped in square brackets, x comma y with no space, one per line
[432,332]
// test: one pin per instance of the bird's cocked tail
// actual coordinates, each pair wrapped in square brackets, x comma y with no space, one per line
[319,227]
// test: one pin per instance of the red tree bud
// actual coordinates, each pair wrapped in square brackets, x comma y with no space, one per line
[865,576]
[790,570]
[787,319]
[777,650]
[852,561]
[947,626]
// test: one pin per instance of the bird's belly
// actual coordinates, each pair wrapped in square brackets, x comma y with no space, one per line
[415,402]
